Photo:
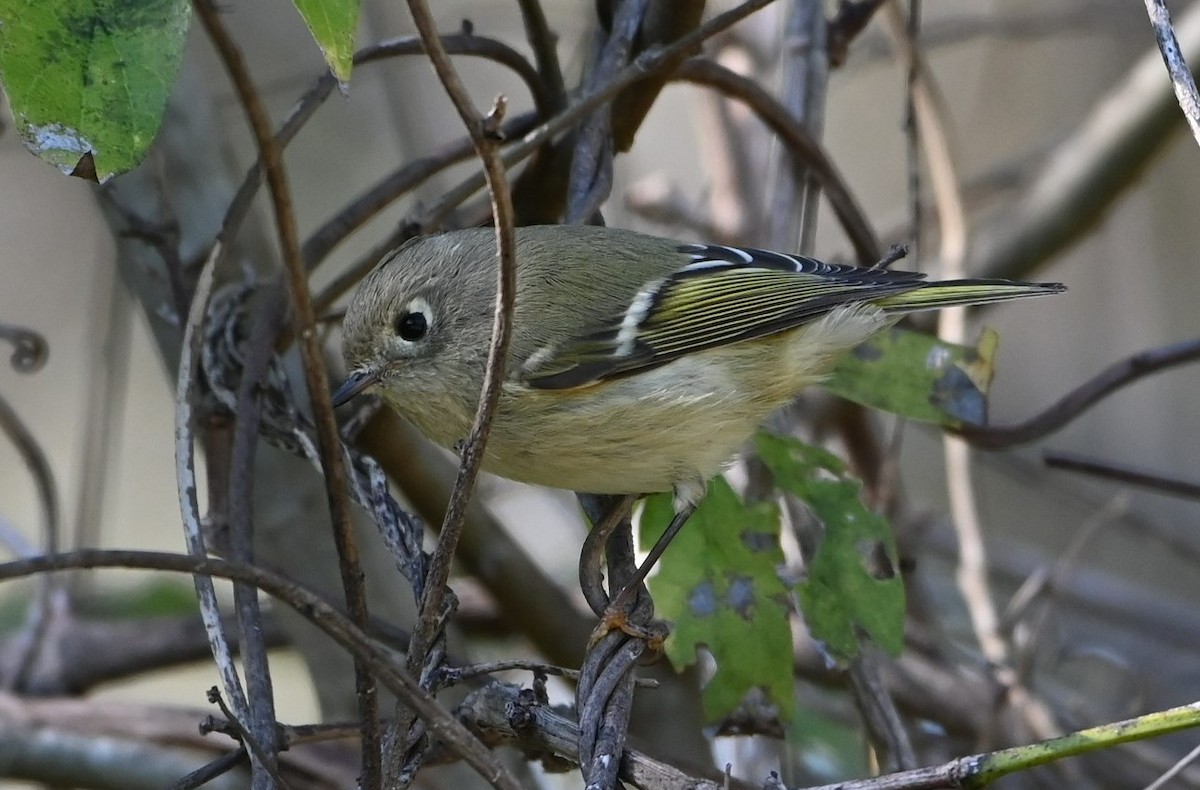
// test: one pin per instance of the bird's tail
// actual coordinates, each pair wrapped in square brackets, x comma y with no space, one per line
[934,296]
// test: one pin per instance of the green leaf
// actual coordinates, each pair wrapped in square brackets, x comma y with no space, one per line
[333,23]
[852,585]
[919,377]
[719,585]
[88,80]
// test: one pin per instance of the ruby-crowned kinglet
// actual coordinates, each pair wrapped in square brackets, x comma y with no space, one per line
[637,364]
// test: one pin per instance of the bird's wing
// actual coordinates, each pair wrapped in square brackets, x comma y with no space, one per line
[722,295]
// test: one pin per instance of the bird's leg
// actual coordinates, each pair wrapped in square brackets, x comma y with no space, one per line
[616,614]
[629,591]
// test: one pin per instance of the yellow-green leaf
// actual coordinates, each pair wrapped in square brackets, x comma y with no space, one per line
[919,377]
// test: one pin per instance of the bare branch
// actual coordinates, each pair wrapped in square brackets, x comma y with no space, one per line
[185,479]
[477,126]
[1110,470]
[1083,397]
[799,143]
[457,44]
[378,657]
[1177,67]
[544,42]
[315,376]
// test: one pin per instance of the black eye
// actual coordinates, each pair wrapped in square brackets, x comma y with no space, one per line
[411,326]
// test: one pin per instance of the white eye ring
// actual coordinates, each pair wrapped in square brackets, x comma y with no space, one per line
[413,322]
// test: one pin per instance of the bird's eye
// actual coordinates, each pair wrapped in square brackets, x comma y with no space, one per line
[411,325]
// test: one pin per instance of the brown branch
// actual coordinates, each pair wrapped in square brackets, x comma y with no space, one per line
[312,607]
[87,652]
[459,44]
[404,179]
[544,43]
[799,143]
[1083,397]
[1109,470]
[647,64]
[482,133]
[315,376]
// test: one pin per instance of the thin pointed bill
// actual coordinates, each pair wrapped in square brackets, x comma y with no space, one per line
[354,384]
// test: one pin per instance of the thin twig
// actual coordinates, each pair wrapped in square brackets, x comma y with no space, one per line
[312,607]
[302,111]
[35,460]
[1110,470]
[454,675]
[246,738]
[963,27]
[795,195]
[433,599]
[799,143]
[315,376]
[590,177]
[1045,583]
[878,710]
[1175,770]
[41,612]
[185,480]
[210,771]
[972,572]
[240,505]
[918,90]
[543,42]
[30,352]
[1177,67]
[930,125]
[472,453]
[1083,397]
[404,179]
[643,66]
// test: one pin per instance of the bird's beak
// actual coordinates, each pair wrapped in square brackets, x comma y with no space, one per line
[354,384]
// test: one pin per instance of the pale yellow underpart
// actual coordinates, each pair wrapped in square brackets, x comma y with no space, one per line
[671,427]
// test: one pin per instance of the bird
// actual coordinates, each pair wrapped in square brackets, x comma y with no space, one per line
[637,364]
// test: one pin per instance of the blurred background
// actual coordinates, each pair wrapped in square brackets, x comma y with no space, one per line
[1116,632]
